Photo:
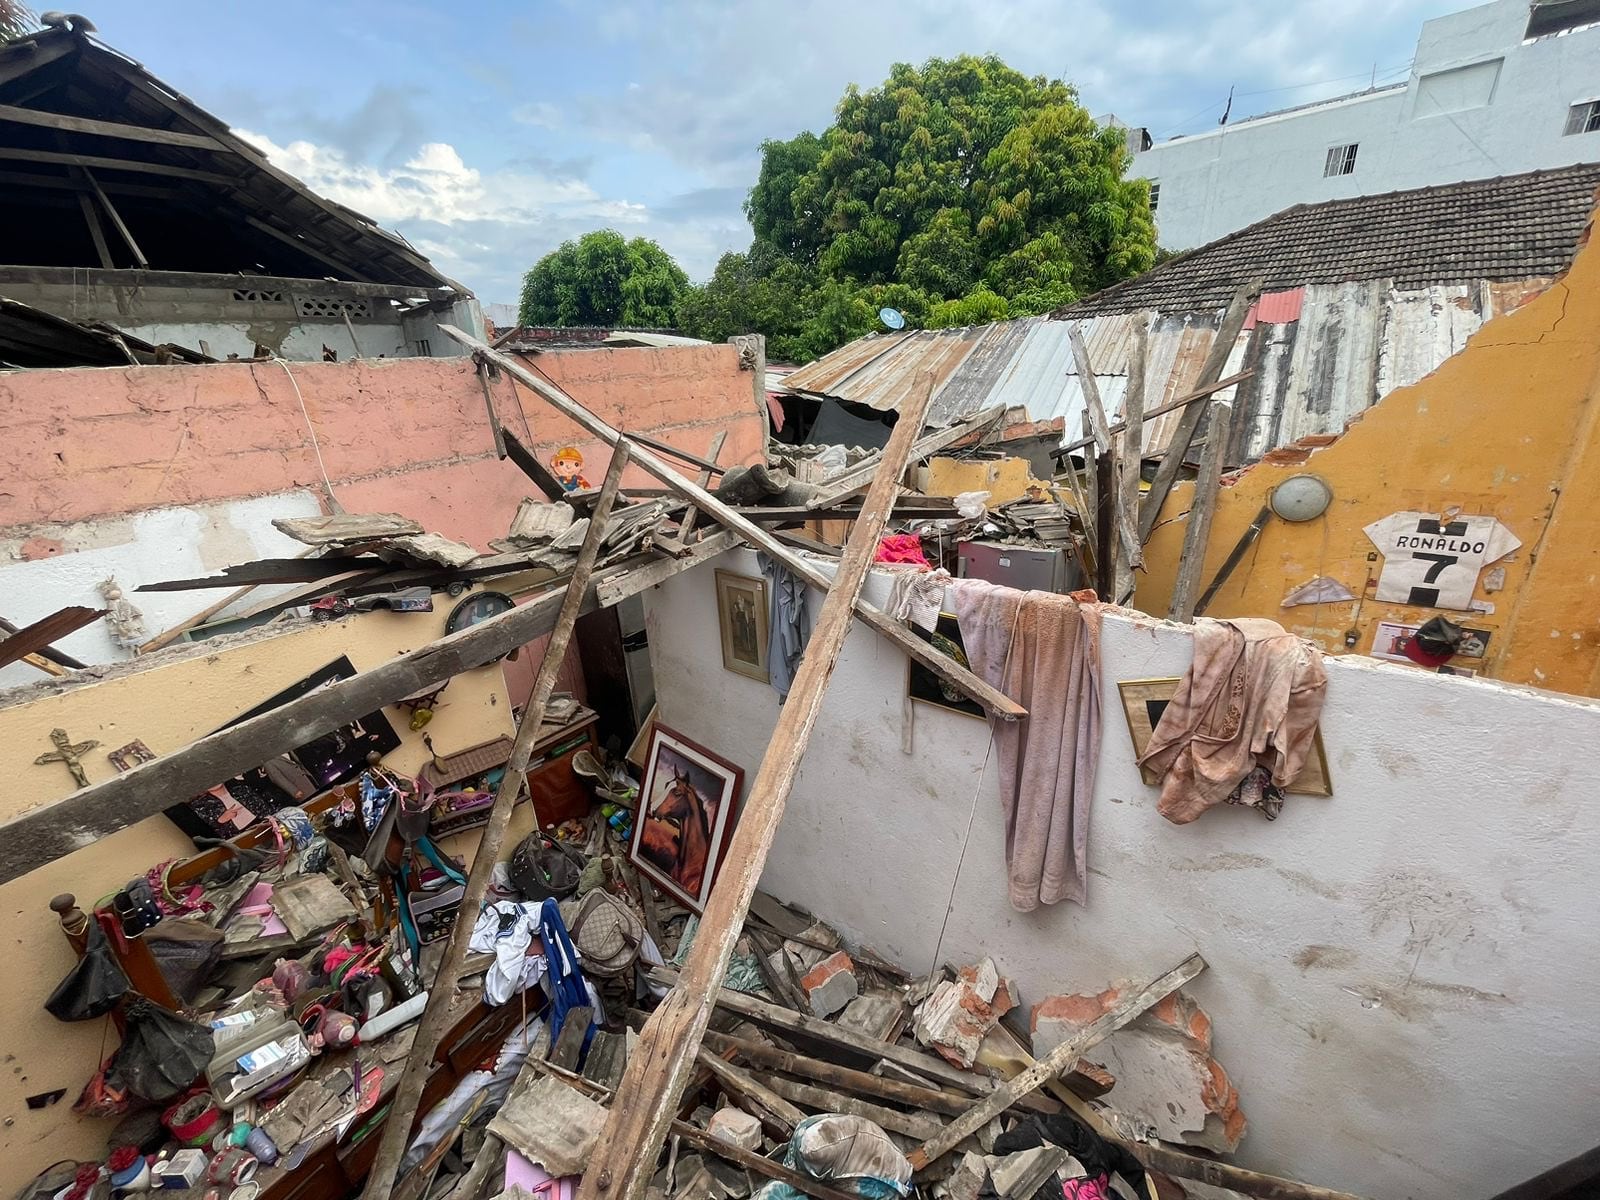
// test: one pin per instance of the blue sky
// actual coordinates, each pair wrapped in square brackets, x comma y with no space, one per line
[489,132]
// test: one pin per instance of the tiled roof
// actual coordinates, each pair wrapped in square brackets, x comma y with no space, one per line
[1508,228]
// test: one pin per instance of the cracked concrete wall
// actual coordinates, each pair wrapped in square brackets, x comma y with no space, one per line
[151,473]
[1401,975]
[1505,428]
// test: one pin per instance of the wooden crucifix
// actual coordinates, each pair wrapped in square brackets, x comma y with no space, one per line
[66,752]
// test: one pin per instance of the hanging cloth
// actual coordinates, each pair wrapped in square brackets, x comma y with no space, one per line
[788,623]
[1042,650]
[1252,696]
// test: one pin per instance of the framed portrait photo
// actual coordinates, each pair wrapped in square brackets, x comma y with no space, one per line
[687,810]
[1143,702]
[742,620]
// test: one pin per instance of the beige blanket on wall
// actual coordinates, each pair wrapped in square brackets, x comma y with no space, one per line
[1042,650]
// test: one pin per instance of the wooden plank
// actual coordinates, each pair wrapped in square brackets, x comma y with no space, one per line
[91,218]
[117,164]
[1129,457]
[713,452]
[919,1125]
[304,595]
[905,508]
[765,1103]
[1099,426]
[776,1017]
[139,258]
[1054,1063]
[750,1161]
[31,639]
[48,653]
[1178,446]
[1151,414]
[1122,546]
[614,589]
[569,1042]
[923,652]
[115,129]
[706,465]
[299,569]
[1235,557]
[626,1157]
[1202,509]
[1225,1175]
[485,372]
[860,1082]
[442,992]
[858,476]
[528,463]
[51,830]
[34,56]
[305,247]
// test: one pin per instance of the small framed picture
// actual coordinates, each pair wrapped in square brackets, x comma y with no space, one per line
[1143,702]
[924,685]
[686,816]
[742,618]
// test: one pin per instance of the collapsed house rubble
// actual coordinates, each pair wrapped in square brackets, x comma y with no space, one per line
[408,931]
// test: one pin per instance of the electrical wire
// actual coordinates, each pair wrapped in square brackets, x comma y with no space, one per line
[310,428]
[966,840]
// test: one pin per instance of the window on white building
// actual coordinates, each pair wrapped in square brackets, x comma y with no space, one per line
[1583,117]
[1155,195]
[1341,160]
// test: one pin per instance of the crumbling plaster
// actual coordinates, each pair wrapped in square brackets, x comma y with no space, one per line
[1506,427]
[1400,975]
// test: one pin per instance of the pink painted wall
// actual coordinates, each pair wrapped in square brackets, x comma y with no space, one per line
[402,435]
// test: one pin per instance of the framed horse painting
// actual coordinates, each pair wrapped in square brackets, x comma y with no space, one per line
[687,808]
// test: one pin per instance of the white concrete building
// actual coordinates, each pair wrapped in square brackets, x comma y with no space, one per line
[1495,90]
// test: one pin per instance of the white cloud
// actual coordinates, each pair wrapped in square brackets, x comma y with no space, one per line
[436,185]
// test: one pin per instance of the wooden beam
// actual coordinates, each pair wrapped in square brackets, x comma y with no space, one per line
[55,829]
[671,451]
[1178,445]
[445,988]
[714,452]
[1129,458]
[299,569]
[853,478]
[21,62]
[626,1155]
[97,232]
[905,508]
[191,280]
[771,1108]
[1235,557]
[1054,1063]
[750,1161]
[34,638]
[1202,509]
[1121,543]
[116,219]
[117,164]
[1151,414]
[168,636]
[528,463]
[788,1021]
[923,652]
[114,129]
[48,653]
[345,269]
[484,373]
[826,1100]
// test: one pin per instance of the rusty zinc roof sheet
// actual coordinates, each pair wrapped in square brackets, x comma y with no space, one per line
[881,370]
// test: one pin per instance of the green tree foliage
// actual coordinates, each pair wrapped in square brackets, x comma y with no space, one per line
[603,279]
[959,192]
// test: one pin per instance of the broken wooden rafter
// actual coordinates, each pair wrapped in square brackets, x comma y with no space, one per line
[112,129]
[1178,445]
[271,570]
[1053,1064]
[1129,457]
[989,697]
[1202,509]
[54,829]
[625,1158]
[528,463]
[48,653]
[442,991]
[1151,414]
[36,638]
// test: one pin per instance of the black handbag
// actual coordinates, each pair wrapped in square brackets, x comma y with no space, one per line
[94,986]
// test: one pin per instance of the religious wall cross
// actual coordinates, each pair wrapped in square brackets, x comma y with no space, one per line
[66,752]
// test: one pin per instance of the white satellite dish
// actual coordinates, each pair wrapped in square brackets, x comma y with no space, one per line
[892,317]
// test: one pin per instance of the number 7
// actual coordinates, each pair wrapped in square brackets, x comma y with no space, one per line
[1440,562]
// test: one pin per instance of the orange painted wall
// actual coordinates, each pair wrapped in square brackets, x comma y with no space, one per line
[1507,427]
[396,435]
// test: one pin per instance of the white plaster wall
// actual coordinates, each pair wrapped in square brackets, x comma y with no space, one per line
[1216,182]
[303,342]
[142,547]
[1401,976]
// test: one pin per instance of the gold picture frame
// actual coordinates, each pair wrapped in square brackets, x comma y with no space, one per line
[742,624]
[1143,701]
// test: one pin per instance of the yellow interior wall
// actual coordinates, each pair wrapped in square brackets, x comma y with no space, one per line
[166,706]
[1506,428]
[1005,479]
